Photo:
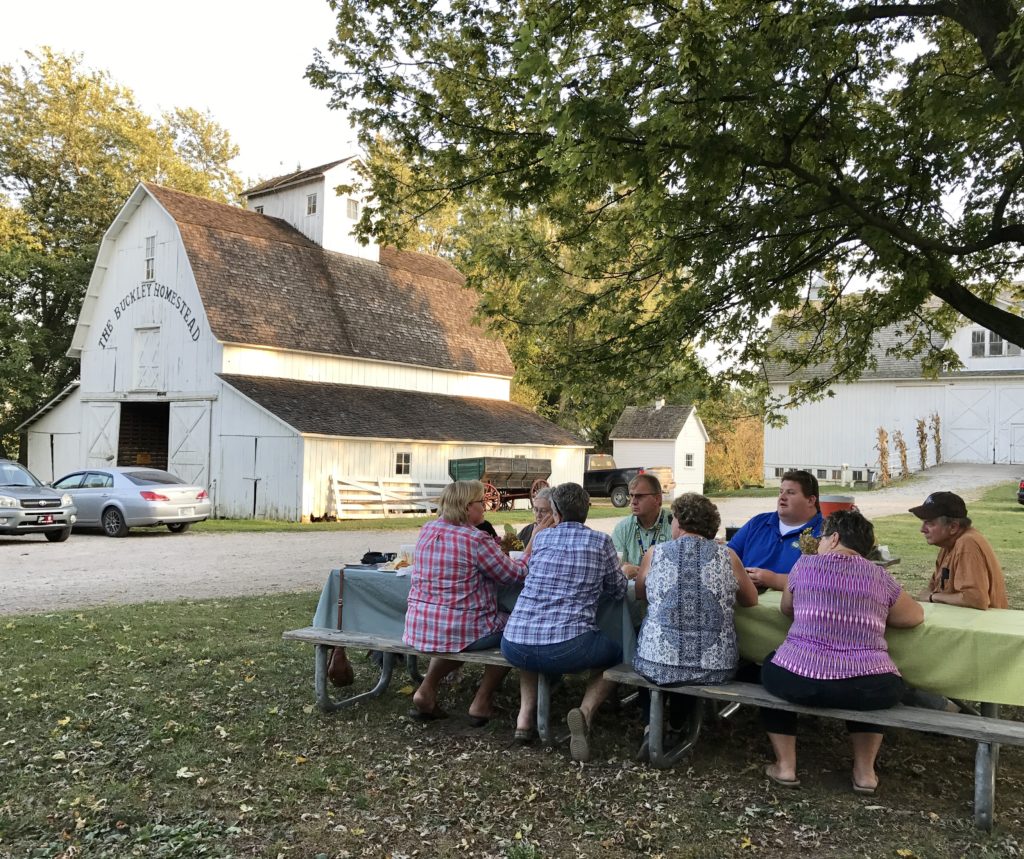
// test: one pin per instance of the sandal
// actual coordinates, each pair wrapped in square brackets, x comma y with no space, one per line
[525,736]
[781,782]
[579,739]
[420,716]
[862,789]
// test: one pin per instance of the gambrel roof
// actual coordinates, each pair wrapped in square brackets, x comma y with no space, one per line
[265,284]
[357,411]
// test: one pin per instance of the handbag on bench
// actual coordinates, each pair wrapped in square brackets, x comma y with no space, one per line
[339,669]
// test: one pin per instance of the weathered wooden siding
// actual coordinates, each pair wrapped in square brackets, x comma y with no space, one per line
[182,356]
[367,459]
[691,440]
[55,440]
[251,361]
[256,459]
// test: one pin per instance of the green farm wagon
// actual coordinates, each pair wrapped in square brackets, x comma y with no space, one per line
[505,478]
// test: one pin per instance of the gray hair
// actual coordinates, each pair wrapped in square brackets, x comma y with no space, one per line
[571,502]
[542,494]
[963,521]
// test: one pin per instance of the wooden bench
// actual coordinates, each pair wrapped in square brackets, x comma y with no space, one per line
[987,730]
[325,638]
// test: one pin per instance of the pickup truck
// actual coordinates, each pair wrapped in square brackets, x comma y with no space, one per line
[603,480]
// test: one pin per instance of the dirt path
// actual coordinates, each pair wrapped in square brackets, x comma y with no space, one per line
[90,569]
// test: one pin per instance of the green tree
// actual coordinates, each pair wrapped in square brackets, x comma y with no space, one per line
[700,162]
[73,145]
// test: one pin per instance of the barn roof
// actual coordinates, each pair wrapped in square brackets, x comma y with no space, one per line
[263,283]
[887,366]
[296,177]
[651,423]
[356,411]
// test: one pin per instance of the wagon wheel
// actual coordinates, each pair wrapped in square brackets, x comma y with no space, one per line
[492,498]
[539,484]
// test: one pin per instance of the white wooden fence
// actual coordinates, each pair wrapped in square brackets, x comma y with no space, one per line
[372,498]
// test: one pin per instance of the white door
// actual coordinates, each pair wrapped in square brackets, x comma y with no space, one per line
[188,447]
[967,436]
[1011,414]
[1017,443]
[259,476]
[148,370]
[100,425]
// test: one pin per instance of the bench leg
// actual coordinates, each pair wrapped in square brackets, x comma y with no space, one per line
[323,697]
[661,759]
[544,709]
[986,762]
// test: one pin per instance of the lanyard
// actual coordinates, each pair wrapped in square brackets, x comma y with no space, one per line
[656,528]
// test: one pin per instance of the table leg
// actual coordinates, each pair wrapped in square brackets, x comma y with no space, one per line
[659,757]
[986,762]
[543,708]
[413,664]
[323,697]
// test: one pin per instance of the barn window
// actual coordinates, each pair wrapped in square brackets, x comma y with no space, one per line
[978,344]
[778,472]
[858,474]
[150,257]
[995,344]
[352,207]
[402,463]
[821,474]
[837,474]
[259,210]
[689,460]
[311,204]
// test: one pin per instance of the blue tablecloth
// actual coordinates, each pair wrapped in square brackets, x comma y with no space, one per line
[375,602]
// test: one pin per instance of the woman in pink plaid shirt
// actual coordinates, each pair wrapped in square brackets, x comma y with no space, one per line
[453,598]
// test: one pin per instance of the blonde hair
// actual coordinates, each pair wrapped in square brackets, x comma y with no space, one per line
[456,498]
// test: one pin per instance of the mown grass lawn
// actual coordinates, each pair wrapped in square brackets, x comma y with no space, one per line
[188,729]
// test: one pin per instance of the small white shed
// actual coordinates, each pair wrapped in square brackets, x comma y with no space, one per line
[663,436]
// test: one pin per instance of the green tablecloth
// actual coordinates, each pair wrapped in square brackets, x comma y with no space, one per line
[375,603]
[959,652]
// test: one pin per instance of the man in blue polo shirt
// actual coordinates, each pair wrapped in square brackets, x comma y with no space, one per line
[769,544]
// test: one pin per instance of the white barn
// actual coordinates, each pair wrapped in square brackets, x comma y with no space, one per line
[665,436]
[980,409]
[269,356]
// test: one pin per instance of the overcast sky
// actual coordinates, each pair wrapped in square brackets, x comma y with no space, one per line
[242,60]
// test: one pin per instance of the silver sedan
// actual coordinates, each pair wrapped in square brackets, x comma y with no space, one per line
[116,499]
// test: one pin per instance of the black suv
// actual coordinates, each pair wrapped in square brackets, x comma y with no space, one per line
[28,506]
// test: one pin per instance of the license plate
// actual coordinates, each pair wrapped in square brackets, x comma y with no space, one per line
[187,511]
[45,519]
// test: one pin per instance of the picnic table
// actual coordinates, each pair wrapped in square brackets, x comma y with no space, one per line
[958,652]
[375,603]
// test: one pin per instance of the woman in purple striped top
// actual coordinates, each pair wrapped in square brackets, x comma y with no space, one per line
[835,654]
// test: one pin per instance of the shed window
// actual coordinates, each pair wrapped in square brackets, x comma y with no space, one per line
[689,460]
[778,472]
[258,210]
[858,474]
[311,204]
[352,207]
[821,474]
[150,257]
[837,474]
[402,463]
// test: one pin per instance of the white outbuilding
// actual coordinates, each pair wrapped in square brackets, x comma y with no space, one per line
[662,436]
[266,354]
[979,411]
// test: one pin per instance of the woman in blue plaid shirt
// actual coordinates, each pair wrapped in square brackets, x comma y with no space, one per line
[553,628]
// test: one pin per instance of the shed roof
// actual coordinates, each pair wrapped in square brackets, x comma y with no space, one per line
[355,411]
[651,422]
[263,283]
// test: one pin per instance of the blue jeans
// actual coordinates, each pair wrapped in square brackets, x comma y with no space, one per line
[589,650]
[488,642]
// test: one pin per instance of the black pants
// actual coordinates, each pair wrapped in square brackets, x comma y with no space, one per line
[867,692]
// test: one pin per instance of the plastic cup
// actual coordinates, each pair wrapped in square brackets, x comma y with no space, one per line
[831,503]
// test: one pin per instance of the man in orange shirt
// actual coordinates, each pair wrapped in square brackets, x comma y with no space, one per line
[967,571]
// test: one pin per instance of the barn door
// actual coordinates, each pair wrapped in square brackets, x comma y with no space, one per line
[1017,443]
[100,426]
[188,454]
[967,436]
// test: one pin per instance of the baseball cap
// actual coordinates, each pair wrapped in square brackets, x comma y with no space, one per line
[941,504]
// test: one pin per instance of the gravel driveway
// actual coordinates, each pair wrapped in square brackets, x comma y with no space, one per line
[153,564]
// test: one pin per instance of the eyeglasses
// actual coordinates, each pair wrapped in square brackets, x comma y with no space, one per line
[479,501]
[633,496]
